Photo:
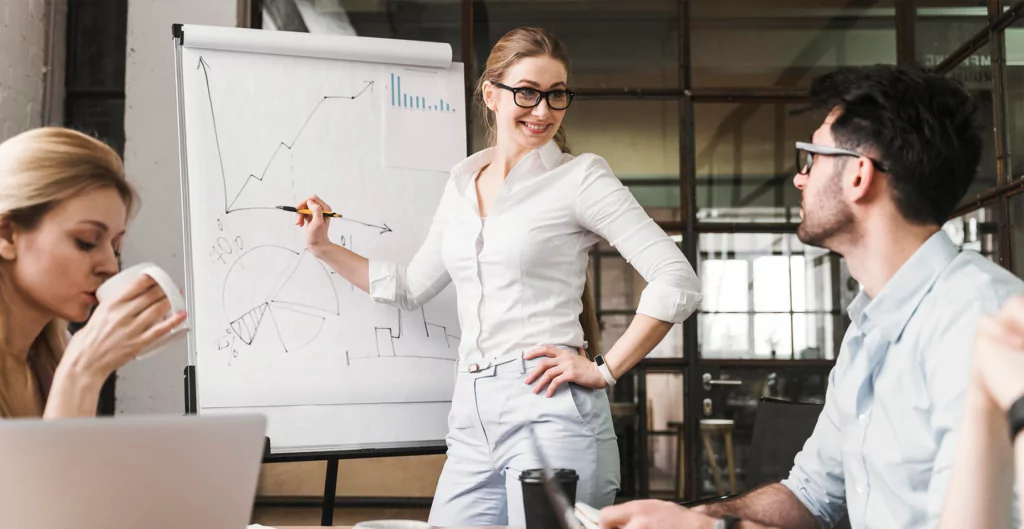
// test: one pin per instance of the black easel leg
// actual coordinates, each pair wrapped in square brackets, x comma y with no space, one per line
[330,489]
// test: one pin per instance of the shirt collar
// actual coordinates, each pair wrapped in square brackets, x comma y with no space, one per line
[550,155]
[893,307]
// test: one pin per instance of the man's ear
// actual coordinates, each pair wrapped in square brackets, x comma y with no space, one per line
[862,181]
[8,236]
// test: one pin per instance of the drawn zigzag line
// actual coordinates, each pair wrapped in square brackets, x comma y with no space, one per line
[287,145]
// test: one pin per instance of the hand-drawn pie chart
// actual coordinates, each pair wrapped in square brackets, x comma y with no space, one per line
[278,299]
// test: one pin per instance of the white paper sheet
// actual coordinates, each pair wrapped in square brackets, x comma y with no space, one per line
[424,118]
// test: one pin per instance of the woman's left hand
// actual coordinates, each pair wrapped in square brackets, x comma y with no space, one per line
[562,366]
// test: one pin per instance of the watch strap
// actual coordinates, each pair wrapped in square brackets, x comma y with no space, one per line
[606,373]
[1015,417]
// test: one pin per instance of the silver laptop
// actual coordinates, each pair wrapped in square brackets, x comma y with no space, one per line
[152,472]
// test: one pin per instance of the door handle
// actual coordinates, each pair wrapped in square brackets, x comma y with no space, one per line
[708,382]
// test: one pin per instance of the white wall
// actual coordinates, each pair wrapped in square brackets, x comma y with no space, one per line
[154,385]
[23,26]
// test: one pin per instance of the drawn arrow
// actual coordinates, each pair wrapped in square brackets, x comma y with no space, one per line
[383,229]
[213,116]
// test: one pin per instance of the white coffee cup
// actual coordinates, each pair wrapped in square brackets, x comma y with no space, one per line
[117,284]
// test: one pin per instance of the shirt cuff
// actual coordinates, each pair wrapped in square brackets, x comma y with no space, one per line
[383,281]
[793,484]
[672,305]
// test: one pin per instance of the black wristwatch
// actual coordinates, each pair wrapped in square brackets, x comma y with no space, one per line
[1015,417]
[727,522]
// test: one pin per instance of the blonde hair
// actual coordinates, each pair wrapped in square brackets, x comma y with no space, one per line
[519,44]
[39,169]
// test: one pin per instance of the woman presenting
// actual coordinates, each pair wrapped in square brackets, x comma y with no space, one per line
[513,231]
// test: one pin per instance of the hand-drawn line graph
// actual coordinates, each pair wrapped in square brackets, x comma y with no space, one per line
[232,205]
[295,303]
[386,338]
[280,300]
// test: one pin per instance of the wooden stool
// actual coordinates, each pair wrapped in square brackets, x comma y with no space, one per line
[707,427]
[680,428]
[724,427]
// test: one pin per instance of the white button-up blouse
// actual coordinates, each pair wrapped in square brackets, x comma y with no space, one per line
[519,276]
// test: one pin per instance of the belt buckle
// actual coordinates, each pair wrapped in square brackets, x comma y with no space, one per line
[473,368]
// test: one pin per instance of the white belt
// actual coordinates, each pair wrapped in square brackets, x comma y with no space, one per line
[490,362]
[503,359]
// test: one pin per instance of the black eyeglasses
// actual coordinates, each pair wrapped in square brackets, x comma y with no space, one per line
[527,97]
[805,156]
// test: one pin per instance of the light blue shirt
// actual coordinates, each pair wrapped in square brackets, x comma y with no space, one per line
[884,443]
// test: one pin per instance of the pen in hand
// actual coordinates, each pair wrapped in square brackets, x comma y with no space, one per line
[308,212]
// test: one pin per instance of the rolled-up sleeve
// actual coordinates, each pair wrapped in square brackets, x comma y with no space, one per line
[818,476]
[605,207]
[410,286]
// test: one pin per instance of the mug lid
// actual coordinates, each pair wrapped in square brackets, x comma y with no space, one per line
[536,475]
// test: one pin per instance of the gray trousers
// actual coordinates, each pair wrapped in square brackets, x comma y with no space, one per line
[488,445]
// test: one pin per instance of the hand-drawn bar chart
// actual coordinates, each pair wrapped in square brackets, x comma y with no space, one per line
[400,99]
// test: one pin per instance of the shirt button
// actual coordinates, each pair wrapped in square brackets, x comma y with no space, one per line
[863,419]
[860,490]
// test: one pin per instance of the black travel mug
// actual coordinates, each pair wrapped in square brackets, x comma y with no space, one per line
[537,505]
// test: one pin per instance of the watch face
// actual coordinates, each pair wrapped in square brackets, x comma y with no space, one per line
[599,360]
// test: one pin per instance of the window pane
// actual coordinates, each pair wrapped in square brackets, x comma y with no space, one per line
[1016,204]
[620,288]
[428,20]
[773,336]
[664,415]
[612,328]
[612,44]
[938,32]
[1014,86]
[941,29]
[975,231]
[724,285]
[771,283]
[621,285]
[752,43]
[746,160]
[725,336]
[769,296]
[671,346]
[640,141]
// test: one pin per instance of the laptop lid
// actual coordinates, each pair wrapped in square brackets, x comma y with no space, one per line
[155,472]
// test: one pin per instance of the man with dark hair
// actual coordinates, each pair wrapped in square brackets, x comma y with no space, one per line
[879,178]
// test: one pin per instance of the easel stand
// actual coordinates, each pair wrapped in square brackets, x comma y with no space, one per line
[331,457]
